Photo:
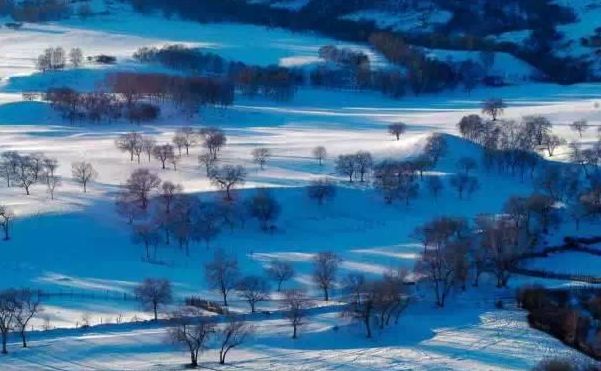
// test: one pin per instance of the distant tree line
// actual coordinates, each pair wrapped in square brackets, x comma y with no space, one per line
[36,10]
[345,68]
[460,33]
[136,97]
[272,81]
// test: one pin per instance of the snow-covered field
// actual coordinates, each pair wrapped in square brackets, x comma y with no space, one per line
[76,244]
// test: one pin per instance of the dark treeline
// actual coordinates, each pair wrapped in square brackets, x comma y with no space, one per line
[571,315]
[272,81]
[35,10]
[344,68]
[504,16]
[323,16]
[135,96]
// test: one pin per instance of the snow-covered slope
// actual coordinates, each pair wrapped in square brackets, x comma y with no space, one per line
[76,246]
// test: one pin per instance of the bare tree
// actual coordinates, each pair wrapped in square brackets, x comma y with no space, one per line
[345,166]
[208,161]
[325,267]
[9,165]
[397,129]
[208,221]
[214,140]
[472,127]
[29,305]
[260,156]
[153,293]
[280,271]
[189,136]
[179,141]
[192,331]
[320,154]
[168,193]
[253,289]
[504,242]
[265,208]
[363,164]
[37,163]
[148,145]
[378,299]
[493,107]
[140,184]
[579,126]
[296,303]
[129,142]
[396,180]
[233,334]
[127,207]
[551,142]
[174,161]
[464,184]
[441,238]
[164,153]
[536,128]
[75,57]
[321,190]
[222,273]
[83,173]
[8,309]
[49,174]
[139,149]
[147,235]
[228,177]
[25,172]
[436,147]
[6,218]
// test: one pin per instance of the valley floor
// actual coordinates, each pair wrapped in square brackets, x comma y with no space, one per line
[76,248]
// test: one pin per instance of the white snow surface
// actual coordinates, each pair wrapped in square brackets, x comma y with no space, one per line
[77,247]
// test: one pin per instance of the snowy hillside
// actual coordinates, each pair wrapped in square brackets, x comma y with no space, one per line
[84,248]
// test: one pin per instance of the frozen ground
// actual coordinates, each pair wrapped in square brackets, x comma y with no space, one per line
[75,244]
[477,339]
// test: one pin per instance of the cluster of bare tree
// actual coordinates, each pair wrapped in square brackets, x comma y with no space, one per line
[56,59]
[17,308]
[189,325]
[344,68]
[188,93]
[194,331]
[137,97]
[512,147]
[425,74]
[357,166]
[378,300]
[97,106]
[160,212]
[137,145]
[397,179]
[456,252]
[274,82]
[24,171]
